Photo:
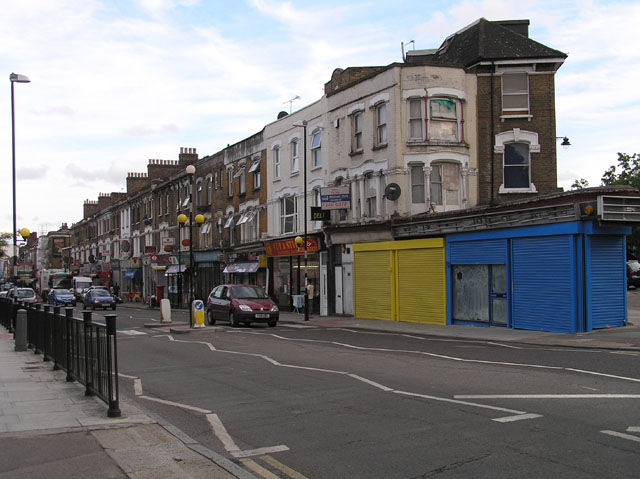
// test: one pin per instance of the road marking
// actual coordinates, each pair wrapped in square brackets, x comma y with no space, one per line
[622,435]
[258,469]
[171,338]
[281,467]
[130,332]
[229,444]
[633,429]
[547,396]
[137,387]
[177,404]
[518,417]
[370,382]
[465,403]
[503,345]
[624,378]
[298,326]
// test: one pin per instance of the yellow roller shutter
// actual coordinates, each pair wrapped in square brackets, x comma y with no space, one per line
[373,284]
[421,285]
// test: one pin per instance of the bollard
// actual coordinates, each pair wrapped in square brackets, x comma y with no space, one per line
[165,311]
[21,330]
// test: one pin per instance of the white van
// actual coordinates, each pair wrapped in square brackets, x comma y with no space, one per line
[79,284]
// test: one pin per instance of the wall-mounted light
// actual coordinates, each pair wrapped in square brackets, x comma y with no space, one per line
[565,141]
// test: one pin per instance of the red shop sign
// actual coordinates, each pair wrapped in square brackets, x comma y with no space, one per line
[289,248]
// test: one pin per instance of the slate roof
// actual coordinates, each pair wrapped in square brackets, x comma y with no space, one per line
[484,40]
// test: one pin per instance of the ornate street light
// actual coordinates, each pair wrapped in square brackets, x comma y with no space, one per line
[14,78]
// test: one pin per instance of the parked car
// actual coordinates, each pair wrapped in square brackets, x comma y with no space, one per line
[61,296]
[633,273]
[241,303]
[98,298]
[92,288]
[23,295]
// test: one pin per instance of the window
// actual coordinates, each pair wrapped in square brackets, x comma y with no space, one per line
[295,157]
[230,181]
[167,199]
[417,184]
[243,181]
[445,185]
[381,124]
[356,129]
[516,165]
[216,181]
[209,191]
[276,162]
[515,92]
[443,116]
[316,153]
[371,194]
[436,184]
[416,120]
[255,170]
[199,194]
[288,214]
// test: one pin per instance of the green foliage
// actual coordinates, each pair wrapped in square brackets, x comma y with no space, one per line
[626,173]
[579,184]
[4,237]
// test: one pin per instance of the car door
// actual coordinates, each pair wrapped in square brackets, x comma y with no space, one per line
[217,302]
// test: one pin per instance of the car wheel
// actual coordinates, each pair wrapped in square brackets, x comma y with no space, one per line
[93,307]
[233,321]
[210,319]
[272,324]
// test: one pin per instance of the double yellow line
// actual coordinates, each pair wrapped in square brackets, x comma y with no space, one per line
[268,474]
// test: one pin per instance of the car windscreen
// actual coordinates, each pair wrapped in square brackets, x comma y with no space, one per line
[101,292]
[62,291]
[248,292]
[25,293]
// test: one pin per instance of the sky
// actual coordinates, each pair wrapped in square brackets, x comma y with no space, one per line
[115,83]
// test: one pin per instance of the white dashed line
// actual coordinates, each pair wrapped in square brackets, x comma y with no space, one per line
[518,417]
[622,435]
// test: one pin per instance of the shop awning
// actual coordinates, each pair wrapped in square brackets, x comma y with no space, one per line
[242,267]
[132,273]
[175,269]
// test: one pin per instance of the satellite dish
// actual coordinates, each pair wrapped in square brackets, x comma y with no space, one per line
[392,191]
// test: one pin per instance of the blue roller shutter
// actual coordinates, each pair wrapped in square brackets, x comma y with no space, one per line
[543,279]
[606,293]
[478,252]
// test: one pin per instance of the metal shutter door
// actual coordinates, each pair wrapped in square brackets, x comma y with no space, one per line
[479,252]
[373,284]
[607,282]
[421,286]
[543,284]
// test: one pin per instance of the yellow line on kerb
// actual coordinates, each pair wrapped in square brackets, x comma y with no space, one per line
[287,470]
[266,474]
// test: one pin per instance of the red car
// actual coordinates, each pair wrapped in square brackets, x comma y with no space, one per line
[241,303]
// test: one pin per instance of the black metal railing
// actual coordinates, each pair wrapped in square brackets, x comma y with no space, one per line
[85,349]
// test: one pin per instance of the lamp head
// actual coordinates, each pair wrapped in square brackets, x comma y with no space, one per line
[24,232]
[565,143]
[299,241]
[182,218]
[190,169]
[199,219]
[17,78]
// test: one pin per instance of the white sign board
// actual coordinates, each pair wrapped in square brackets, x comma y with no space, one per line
[335,198]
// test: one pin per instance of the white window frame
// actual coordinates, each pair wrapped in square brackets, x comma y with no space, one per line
[230,180]
[380,124]
[276,162]
[371,194]
[442,119]
[295,156]
[209,190]
[288,217]
[316,149]
[412,118]
[517,136]
[514,92]
[357,122]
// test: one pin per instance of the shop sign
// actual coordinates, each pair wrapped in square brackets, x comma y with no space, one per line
[318,214]
[168,241]
[160,259]
[335,197]
[149,250]
[289,247]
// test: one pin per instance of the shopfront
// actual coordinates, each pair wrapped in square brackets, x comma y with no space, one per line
[287,267]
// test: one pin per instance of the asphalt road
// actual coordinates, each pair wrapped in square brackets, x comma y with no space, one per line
[319,402]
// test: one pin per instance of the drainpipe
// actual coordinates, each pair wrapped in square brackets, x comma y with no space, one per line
[493,140]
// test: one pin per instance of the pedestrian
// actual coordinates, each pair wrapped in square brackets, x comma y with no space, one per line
[309,295]
[116,289]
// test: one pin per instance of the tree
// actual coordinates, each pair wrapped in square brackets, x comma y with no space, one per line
[627,173]
[4,237]
[579,184]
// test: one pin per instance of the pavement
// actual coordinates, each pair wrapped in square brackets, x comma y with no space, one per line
[50,429]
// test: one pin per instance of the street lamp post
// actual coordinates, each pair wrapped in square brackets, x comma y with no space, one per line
[304,176]
[199,219]
[14,78]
